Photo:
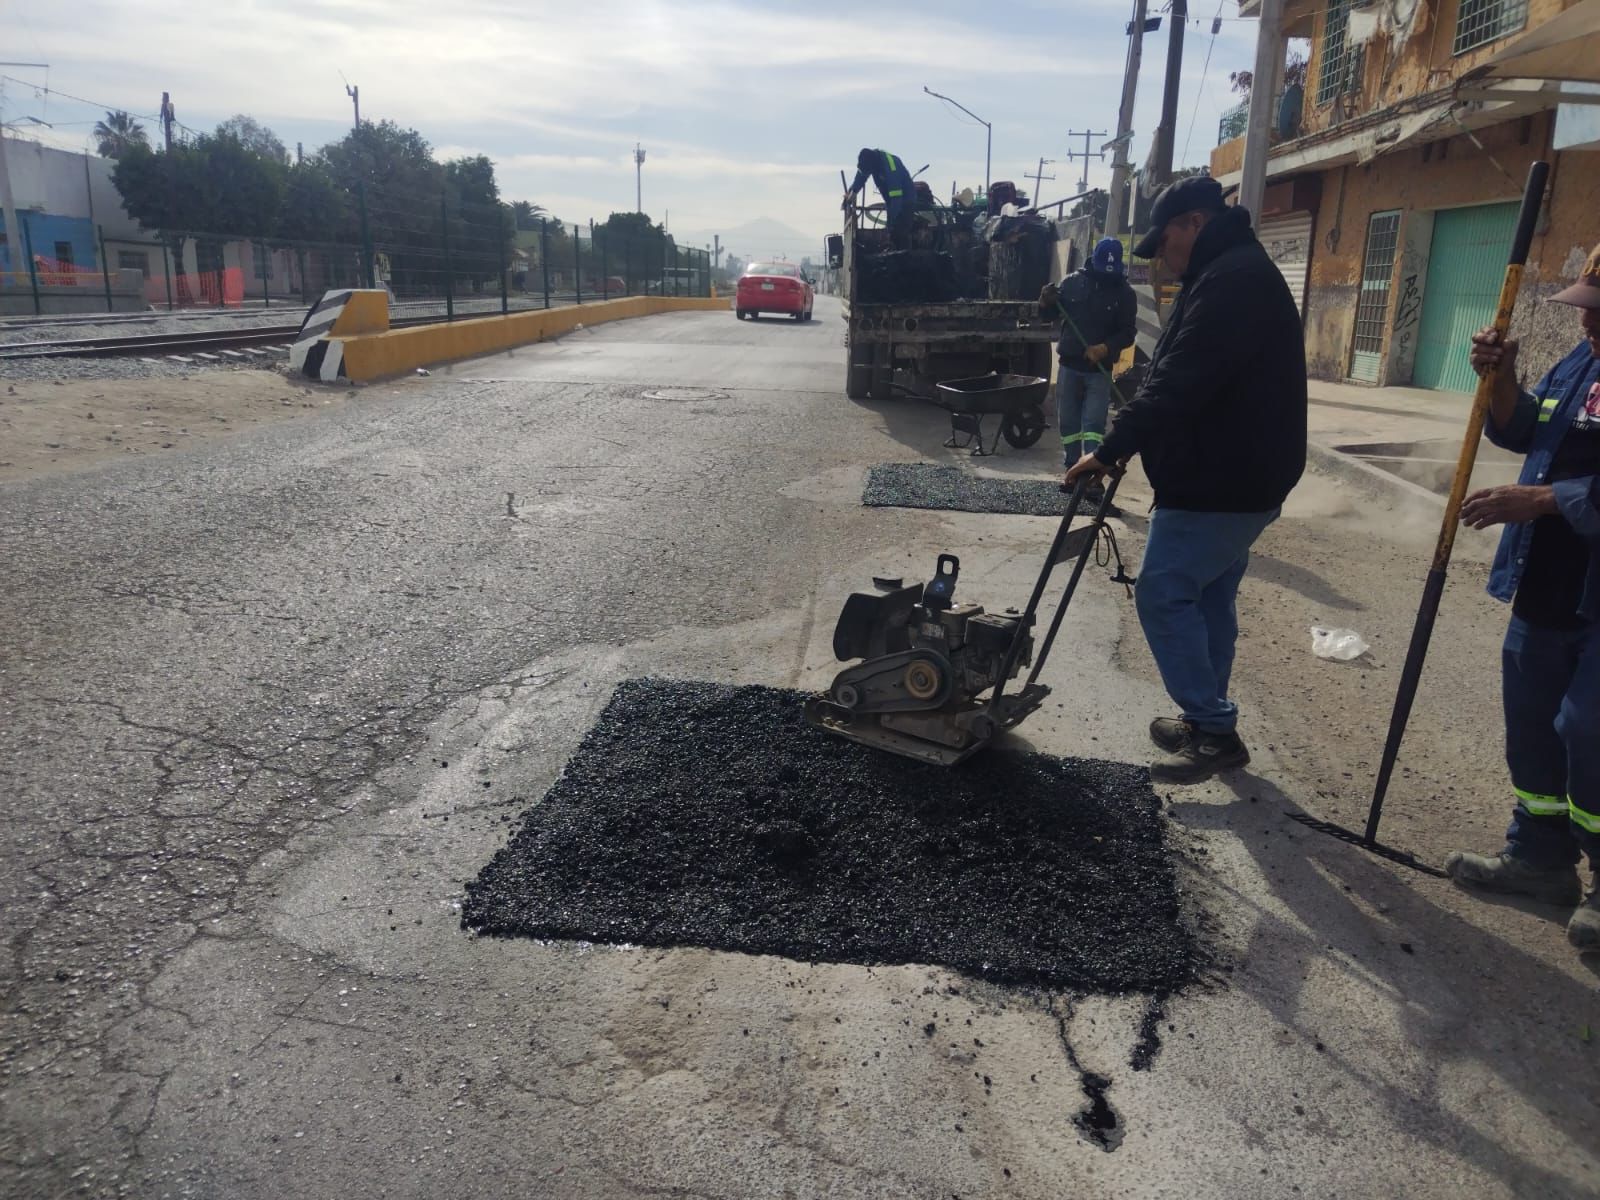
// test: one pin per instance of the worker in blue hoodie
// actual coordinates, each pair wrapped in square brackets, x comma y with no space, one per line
[1098,313]
[888,173]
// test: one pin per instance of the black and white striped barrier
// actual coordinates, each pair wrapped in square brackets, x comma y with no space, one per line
[317,352]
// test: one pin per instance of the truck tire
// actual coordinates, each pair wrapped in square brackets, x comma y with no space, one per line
[882,374]
[857,380]
[1024,427]
[1037,359]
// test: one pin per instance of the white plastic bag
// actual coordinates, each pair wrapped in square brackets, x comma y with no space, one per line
[1339,644]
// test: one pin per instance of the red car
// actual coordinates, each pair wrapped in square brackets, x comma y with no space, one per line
[774,288]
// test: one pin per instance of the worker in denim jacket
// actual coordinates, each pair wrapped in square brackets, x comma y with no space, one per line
[1548,566]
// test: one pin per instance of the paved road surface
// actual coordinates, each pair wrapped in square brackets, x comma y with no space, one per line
[267,705]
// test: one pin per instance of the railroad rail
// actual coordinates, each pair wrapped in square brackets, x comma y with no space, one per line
[152,345]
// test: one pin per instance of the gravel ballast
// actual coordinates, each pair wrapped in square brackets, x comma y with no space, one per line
[697,814]
[929,485]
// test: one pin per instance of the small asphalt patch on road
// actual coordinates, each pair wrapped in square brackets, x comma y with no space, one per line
[929,485]
[697,814]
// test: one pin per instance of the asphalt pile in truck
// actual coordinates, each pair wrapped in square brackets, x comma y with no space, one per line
[697,814]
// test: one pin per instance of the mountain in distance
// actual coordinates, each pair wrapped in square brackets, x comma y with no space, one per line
[759,238]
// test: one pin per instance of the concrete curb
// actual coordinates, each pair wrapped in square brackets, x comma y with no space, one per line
[1372,482]
[378,351]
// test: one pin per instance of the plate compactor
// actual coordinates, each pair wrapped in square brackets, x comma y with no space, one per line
[926,660]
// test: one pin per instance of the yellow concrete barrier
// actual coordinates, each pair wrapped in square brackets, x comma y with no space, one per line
[375,355]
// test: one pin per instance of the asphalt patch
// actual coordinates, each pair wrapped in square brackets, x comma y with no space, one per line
[697,814]
[930,485]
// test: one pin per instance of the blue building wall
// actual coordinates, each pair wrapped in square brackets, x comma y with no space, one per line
[46,230]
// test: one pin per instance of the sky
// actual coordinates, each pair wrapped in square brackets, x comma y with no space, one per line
[747,109]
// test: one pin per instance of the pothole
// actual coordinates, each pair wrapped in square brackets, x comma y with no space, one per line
[684,394]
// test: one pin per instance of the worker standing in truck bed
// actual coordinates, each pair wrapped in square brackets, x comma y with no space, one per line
[889,175]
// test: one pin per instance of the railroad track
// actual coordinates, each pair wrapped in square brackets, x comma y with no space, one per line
[229,343]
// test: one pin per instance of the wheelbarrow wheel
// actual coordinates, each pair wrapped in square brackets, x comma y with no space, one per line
[1023,428]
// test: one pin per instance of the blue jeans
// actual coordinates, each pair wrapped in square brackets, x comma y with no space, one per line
[1551,689]
[1082,400]
[1193,562]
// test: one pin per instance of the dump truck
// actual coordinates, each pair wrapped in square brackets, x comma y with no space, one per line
[911,345]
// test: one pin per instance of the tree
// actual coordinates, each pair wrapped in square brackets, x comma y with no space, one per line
[402,183]
[118,134]
[255,137]
[527,215]
[313,209]
[1096,202]
[481,227]
[636,249]
[1294,75]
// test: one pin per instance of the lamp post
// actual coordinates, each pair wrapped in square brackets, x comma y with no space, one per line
[988,140]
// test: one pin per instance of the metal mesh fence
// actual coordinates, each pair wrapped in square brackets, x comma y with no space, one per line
[437,254]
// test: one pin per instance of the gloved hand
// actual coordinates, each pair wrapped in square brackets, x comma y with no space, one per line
[1097,352]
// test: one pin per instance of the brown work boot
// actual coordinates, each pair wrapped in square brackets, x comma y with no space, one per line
[1583,931]
[1200,757]
[1513,877]
[1170,733]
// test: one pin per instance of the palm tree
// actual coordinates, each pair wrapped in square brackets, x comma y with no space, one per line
[526,214]
[118,134]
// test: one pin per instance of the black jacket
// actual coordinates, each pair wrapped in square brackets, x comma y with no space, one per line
[1220,422]
[1099,309]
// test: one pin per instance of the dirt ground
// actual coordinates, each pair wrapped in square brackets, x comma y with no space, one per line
[49,426]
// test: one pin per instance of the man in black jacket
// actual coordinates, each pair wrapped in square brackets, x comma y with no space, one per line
[1098,313]
[1220,424]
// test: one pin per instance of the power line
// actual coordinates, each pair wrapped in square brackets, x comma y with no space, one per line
[1200,89]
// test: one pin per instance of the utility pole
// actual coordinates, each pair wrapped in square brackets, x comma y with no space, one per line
[988,132]
[1039,177]
[716,259]
[638,179]
[169,115]
[299,153]
[355,97]
[1166,135]
[1118,212]
[1263,86]
[1086,135]
[8,205]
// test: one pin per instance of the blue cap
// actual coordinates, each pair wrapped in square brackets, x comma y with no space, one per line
[1107,256]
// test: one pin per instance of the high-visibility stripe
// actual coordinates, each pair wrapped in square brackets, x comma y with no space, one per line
[889,158]
[1093,437]
[1587,820]
[1068,438]
[1547,408]
[892,192]
[1541,805]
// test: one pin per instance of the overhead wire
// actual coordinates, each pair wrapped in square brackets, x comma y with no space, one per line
[1200,88]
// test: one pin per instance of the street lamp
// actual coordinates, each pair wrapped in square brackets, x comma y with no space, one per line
[988,141]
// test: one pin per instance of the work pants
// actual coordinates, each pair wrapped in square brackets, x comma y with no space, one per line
[1188,582]
[1551,690]
[1082,401]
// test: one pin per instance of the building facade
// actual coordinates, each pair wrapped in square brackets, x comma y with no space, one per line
[1391,201]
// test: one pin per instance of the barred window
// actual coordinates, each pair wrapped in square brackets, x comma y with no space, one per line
[1383,236]
[1483,21]
[1341,62]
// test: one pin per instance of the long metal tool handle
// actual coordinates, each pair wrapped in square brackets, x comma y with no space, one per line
[1015,649]
[1433,589]
[1077,574]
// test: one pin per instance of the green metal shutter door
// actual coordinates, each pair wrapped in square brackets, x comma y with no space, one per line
[1466,267]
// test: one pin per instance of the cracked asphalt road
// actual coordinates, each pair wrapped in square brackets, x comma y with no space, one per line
[267,704]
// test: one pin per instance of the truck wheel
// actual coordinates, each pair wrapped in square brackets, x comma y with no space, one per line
[857,377]
[1023,427]
[882,373]
[1038,360]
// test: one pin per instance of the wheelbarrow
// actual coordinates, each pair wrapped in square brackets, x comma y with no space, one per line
[1015,399]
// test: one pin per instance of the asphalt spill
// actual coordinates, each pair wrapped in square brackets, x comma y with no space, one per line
[697,814]
[929,485]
